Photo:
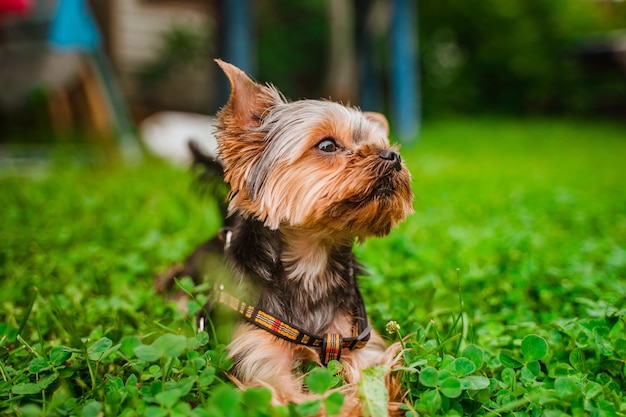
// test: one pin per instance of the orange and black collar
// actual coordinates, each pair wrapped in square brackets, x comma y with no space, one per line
[330,344]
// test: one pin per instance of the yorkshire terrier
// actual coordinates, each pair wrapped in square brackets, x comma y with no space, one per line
[307,179]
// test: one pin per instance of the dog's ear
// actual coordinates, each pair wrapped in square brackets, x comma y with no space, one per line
[240,144]
[248,100]
[379,119]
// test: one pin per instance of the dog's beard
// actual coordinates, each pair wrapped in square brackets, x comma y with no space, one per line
[365,198]
[375,210]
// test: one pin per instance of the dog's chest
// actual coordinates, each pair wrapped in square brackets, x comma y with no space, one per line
[314,303]
[303,281]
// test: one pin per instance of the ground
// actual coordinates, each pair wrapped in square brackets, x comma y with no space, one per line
[508,282]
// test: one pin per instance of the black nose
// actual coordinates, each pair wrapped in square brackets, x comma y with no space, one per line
[392,156]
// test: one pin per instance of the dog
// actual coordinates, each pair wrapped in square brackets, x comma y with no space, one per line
[306,181]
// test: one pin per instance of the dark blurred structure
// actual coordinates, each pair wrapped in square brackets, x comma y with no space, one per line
[514,57]
[520,57]
[603,57]
[68,67]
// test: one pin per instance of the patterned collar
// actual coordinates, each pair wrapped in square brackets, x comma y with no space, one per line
[330,344]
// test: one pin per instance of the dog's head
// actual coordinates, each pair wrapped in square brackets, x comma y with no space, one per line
[309,164]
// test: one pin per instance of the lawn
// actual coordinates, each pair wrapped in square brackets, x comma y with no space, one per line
[508,284]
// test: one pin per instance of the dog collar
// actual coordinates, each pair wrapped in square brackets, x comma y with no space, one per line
[330,344]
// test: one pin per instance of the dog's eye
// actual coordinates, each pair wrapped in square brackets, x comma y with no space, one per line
[328,145]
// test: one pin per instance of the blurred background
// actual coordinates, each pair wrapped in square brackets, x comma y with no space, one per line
[96,70]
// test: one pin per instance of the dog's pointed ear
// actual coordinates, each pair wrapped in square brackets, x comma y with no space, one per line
[379,119]
[248,100]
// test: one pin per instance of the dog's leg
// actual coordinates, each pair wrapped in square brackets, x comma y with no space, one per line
[261,359]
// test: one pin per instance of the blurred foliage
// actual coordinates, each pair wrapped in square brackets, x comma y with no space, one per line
[476,56]
[506,286]
[180,47]
[518,55]
[182,64]
[293,42]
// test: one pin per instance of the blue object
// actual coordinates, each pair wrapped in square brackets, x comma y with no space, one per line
[405,100]
[237,47]
[369,82]
[73,27]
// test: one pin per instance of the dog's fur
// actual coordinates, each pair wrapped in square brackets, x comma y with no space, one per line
[307,179]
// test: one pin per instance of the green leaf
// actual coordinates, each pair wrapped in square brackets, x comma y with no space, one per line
[510,359]
[153,411]
[186,384]
[474,354]
[319,380]
[147,353]
[335,367]
[592,389]
[534,348]
[431,399]
[60,354]
[608,408]
[333,403]
[129,344]
[154,369]
[170,345]
[168,398]
[100,345]
[92,409]
[257,399]
[131,381]
[372,391]
[429,376]
[604,346]
[450,387]
[226,398]
[577,359]
[191,343]
[474,382]
[207,376]
[566,387]
[101,349]
[47,380]
[181,409]
[508,376]
[26,389]
[534,367]
[131,386]
[463,366]
[30,410]
[309,408]
[38,365]
[114,381]
[620,348]
[193,307]
[281,411]
[526,375]
[202,338]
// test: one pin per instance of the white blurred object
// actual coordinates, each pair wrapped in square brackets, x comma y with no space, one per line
[167,135]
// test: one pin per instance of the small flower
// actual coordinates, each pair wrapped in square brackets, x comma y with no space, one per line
[392,327]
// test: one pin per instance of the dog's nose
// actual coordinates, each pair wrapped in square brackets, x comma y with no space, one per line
[392,157]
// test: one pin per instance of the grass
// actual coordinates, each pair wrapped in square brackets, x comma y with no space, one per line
[507,285]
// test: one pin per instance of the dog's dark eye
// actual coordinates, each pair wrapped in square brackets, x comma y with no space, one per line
[328,145]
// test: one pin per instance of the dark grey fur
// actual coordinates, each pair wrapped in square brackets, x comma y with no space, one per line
[253,254]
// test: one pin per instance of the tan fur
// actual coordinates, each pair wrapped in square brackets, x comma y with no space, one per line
[297,196]
[268,362]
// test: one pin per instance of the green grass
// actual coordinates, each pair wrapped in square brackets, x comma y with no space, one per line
[508,283]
